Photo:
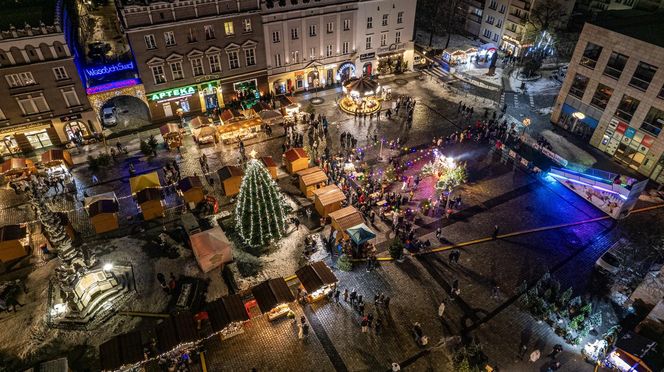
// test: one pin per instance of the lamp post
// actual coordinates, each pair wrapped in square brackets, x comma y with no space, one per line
[526,124]
[577,116]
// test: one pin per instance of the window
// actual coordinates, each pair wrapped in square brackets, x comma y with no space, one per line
[615,65]
[383,39]
[215,63]
[330,27]
[490,19]
[13,80]
[368,42]
[385,17]
[209,32]
[345,47]
[495,37]
[312,30]
[661,93]
[233,59]
[295,56]
[487,33]
[229,29]
[501,10]
[400,17]
[499,24]
[346,24]
[169,38]
[654,121]
[643,76]
[579,85]
[493,5]
[150,43]
[2,115]
[590,55]
[60,73]
[71,99]
[277,60]
[627,107]
[329,50]
[294,34]
[602,96]
[197,66]
[276,36]
[397,37]
[191,37]
[250,56]
[246,25]
[176,70]
[312,53]
[158,74]
[369,22]
[32,105]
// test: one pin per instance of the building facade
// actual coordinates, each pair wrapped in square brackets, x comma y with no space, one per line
[196,55]
[474,10]
[614,91]
[42,99]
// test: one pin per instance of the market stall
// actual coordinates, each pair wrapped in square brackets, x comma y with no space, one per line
[199,121]
[242,129]
[317,280]
[296,159]
[271,166]
[144,181]
[150,203]
[286,106]
[328,199]
[205,134]
[459,55]
[13,242]
[15,168]
[311,179]
[176,333]
[103,211]
[360,235]
[191,190]
[54,158]
[122,350]
[227,315]
[344,219]
[271,117]
[362,96]
[211,249]
[231,178]
[272,297]
[172,135]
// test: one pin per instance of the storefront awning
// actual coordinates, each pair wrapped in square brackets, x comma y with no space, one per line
[226,310]
[144,181]
[271,293]
[315,276]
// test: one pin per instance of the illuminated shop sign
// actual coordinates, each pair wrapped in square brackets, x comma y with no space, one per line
[110,69]
[172,93]
[114,85]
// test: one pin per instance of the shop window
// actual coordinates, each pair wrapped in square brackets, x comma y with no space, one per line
[643,76]
[602,96]
[400,17]
[10,146]
[615,65]
[591,55]
[76,130]
[653,122]
[38,139]
[627,107]
[579,85]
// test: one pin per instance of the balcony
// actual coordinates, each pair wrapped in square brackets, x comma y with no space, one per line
[516,19]
[512,32]
[520,4]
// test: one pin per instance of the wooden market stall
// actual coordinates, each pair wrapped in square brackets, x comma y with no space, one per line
[17,168]
[328,199]
[272,297]
[286,105]
[269,116]
[231,178]
[103,211]
[171,134]
[205,134]
[122,350]
[144,181]
[317,280]
[239,128]
[296,159]
[57,157]
[271,166]
[211,248]
[227,315]
[311,179]
[150,203]
[191,189]
[13,242]
[199,121]
[344,219]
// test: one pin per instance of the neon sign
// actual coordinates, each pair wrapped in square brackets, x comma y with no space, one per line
[110,69]
[171,93]
[114,85]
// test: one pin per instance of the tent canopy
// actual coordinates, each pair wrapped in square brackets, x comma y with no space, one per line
[54,157]
[16,166]
[211,248]
[315,276]
[362,86]
[199,121]
[271,293]
[205,131]
[144,181]
[360,233]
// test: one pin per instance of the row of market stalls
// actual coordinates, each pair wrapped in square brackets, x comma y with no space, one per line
[180,334]
[54,162]
[462,54]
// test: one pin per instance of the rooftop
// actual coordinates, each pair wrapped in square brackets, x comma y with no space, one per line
[638,24]
[32,12]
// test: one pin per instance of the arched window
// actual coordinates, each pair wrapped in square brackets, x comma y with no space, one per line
[76,129]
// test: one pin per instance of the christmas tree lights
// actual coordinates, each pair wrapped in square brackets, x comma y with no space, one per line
[260,212]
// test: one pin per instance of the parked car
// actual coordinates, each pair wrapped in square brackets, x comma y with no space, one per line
[608,263]
[108,117]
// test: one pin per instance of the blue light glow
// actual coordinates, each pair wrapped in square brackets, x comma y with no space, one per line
[108,69]
[587,184]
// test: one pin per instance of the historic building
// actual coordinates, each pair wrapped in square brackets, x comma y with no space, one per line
[613,92]
[42,99]
[196,55]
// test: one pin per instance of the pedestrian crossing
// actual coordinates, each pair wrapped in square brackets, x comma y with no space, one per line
[531,101]
[439,74]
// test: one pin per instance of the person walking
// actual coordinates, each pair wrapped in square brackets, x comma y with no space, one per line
[441,310]
[496,229]
[353,297]
[379,326]
[365,324]
[305,330]
[495,292]
[346,295]
[557,348]
[336,296]
[300,331]
[386,303]
[161,278]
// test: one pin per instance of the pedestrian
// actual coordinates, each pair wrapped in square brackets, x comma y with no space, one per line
[557,348]
[353,297]
[346,295]
[495,232]
[441,310]
[450,257]
[495,291]
[365,324]
[360,307]
[386,303]
[379,325]
[173,283]
[305,330]
[370,319]
[336,296]
[162,282]
[95,180]
[439,233]
[376,300]
[300,331]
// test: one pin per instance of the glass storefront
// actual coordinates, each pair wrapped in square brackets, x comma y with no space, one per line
[9,146]
[38,139]
[76,130]
[625,143]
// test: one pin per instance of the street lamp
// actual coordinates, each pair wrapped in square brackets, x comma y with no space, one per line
[526,124]
[577,116]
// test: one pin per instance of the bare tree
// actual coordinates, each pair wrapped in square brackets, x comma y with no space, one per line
[441,15]
[545,16]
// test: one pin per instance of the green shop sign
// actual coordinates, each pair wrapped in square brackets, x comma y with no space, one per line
[171,93]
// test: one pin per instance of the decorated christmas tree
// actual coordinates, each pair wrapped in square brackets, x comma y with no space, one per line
[260,212]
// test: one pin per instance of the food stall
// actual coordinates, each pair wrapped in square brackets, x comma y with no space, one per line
[231,178]
[172,135]
[200,121]
[269,116]
[122,350]
[328,199]
[344,219]
[296,159]
[272,297]
[317,280]
[15,168]
[271,166]
[57,158]
[191,190]
[103,211]
[634,352]
[459,55]
[205,134]
[360,234]
[286,106]
[211,249]
[13,242]
[240,130]
[311,179]
[227,315]
[146,190]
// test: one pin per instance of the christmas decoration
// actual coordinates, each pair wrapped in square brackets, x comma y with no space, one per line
[260,212]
